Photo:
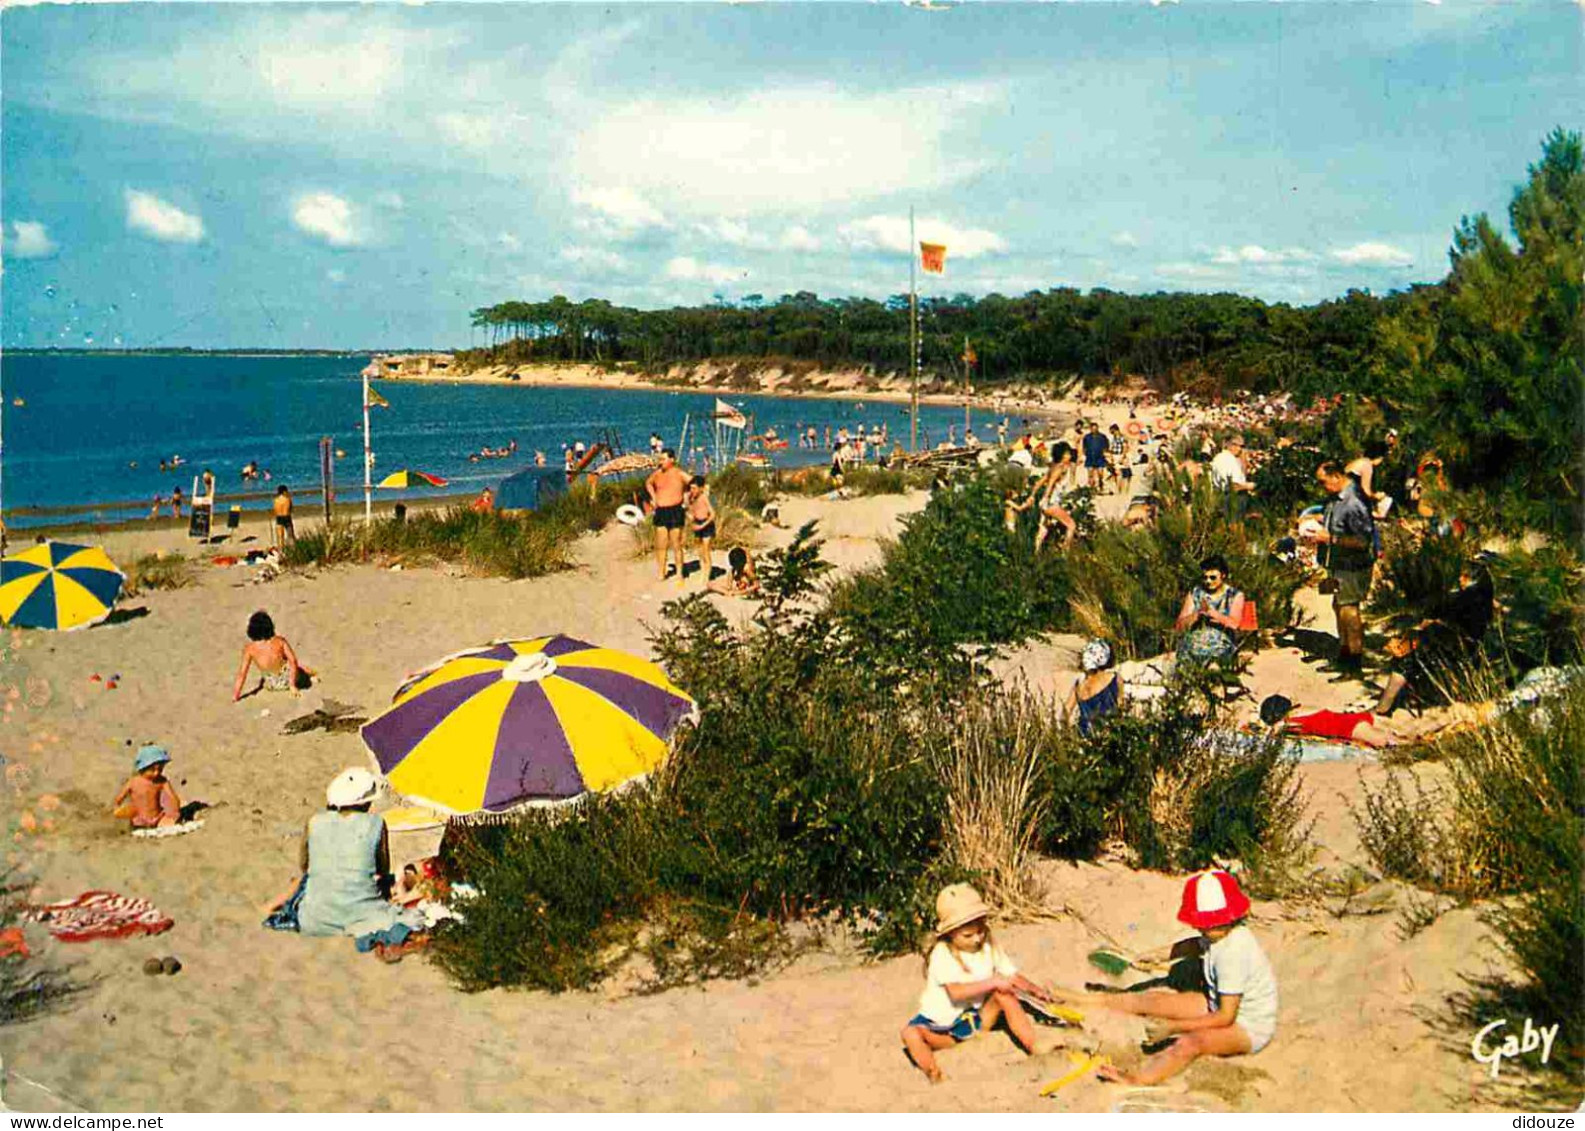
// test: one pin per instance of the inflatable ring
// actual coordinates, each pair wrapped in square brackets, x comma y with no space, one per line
[629,515]
[1133,429]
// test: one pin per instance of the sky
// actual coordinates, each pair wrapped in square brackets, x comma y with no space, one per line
[365,176]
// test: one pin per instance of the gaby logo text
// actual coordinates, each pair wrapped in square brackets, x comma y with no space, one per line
[1490,1047]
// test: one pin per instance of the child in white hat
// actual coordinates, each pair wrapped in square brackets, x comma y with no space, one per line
[970,983]
[1236,1014]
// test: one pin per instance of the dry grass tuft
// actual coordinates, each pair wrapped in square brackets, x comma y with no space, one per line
[991,770]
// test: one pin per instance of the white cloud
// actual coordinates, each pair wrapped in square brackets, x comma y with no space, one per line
[1372,254]
[27,239]
[756,236]
[336,275]
[1255,255]
[326,216]
[798,238]
[1125,239]
[160,219]
[475,131]
[509,241]
[890,233]
[392,200]
[334,59]
[1194,272]
[730,231]
[617,212]
[593,257]
[689,269]
[779,149]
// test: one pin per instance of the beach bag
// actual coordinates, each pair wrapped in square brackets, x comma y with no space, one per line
[1249,620]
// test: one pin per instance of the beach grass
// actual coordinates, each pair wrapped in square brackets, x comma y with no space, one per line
[1508,830]
[157,571]
[489,543]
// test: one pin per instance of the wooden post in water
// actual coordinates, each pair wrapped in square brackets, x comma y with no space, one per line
[327,474]
[368,458]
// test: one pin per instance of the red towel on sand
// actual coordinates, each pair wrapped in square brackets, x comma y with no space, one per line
[100,915]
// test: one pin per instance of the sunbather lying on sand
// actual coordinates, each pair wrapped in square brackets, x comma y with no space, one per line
[1281,713]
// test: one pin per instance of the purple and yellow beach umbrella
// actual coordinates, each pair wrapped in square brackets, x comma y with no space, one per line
[58,585]
[526,721]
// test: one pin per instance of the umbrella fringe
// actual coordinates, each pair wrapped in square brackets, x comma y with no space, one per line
[555,810]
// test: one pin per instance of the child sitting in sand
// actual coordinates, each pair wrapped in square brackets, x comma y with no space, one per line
[970,984]
[276,661]
[1236,1014]
[147,798]
[741,580]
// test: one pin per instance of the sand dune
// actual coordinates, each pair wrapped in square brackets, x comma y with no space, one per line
[264,1021]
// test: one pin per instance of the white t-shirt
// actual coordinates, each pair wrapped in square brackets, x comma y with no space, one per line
[1237,965]
[946,969]
[1226,469]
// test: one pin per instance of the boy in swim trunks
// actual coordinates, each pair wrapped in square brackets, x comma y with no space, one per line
[701,517]
[666,488]
[283,517]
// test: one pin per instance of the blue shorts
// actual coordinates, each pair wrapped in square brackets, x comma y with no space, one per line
[1096,463]
[967,1024]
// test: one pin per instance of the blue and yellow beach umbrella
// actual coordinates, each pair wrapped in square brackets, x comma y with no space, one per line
[58,585]
[526,721]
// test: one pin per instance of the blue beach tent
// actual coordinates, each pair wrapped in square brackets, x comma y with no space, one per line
[528,489]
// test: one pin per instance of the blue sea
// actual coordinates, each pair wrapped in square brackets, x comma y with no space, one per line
[93,429]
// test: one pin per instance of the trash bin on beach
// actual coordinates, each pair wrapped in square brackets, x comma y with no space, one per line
[234,517]
[401,512]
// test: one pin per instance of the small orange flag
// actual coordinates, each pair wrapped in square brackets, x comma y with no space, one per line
[933,257]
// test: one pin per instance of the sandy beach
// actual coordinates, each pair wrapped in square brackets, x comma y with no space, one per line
[348,1033]
[826,384]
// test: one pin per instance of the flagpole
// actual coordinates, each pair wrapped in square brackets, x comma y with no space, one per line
[913,334]
[368,458]
[968,368]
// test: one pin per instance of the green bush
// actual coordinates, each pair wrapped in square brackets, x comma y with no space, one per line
[870,480]
[514,546]
[1179,792]
[738,486]
[1414,575]
[955,576]
[801,794]
[1511,830]
[831,778]
[1285,483]
[1538,593]
[1541,596]
[1127,585]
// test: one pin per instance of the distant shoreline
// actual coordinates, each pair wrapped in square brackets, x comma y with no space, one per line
[156,351]
[769,383]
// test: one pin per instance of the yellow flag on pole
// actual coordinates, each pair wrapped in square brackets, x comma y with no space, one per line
[377,401]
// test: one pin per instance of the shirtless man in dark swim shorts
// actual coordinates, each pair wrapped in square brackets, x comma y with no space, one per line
[666,488]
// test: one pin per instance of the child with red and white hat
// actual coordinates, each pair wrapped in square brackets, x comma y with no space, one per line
[1237,1014]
